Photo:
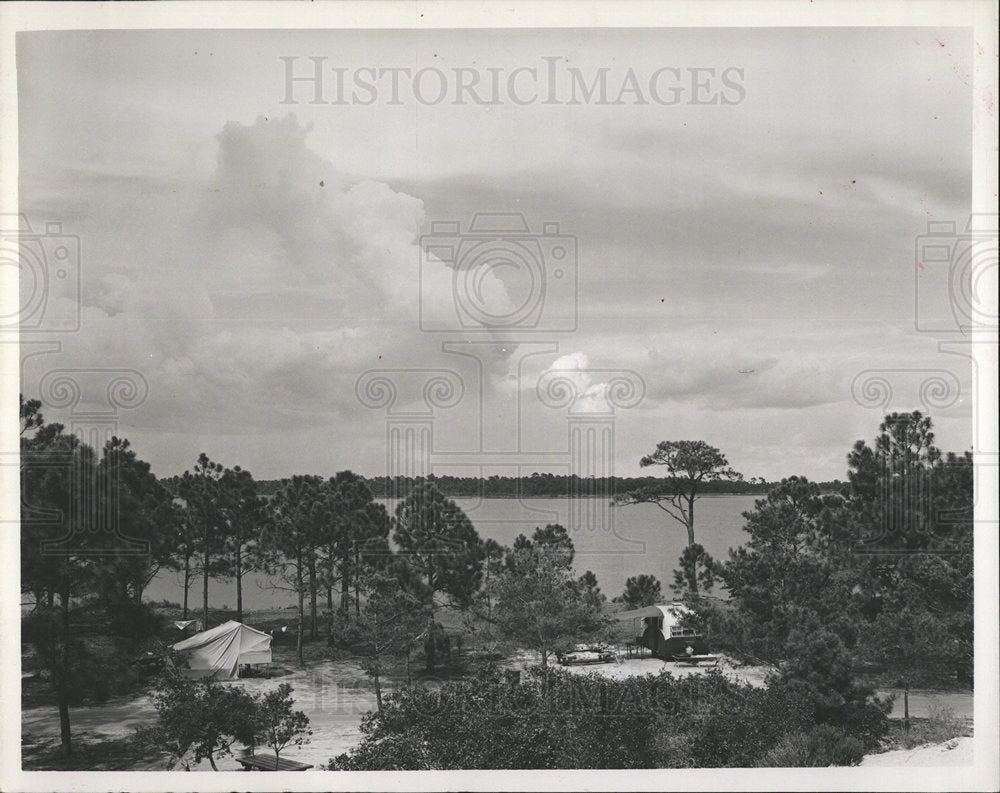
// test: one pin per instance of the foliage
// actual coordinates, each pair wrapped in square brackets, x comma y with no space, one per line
[822,746]
[141,511]
[641,590]
[76,674]
[394,611]
[202,492]
[561,720]
[940,725]
[297,515]
[202,720]
[808,592]
[543,485]
[278,724]
[790,569]
[739,724]
[696,572]
[540,605]
[440,543]
[77,512]
[690,465]
[244,516]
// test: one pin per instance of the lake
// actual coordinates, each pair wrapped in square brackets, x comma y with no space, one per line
[618,542]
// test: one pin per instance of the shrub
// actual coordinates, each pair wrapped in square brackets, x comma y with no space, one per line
[824,745]
[561,720]
[201,720]
[940,725]
[745,724]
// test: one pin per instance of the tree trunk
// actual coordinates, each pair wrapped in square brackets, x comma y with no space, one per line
[300,586]
[312,598]
[187,582]
[690,520]
[690,531]
[211,762]
[357,581]
[204,590]
[239,583]
[63,700]
[378,683]
[64,603]
[906,708]
[345,584]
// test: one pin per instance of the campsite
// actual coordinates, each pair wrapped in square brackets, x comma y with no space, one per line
[407,628]
[336,694]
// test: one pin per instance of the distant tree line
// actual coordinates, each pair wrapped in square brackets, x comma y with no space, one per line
[544,485]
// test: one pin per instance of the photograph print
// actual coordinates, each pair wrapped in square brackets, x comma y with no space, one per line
[411,397]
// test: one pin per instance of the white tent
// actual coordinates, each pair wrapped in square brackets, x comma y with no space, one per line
[220,651]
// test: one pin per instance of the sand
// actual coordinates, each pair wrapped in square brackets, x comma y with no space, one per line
[336,694]
[956,752]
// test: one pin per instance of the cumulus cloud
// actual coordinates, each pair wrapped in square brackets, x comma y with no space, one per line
[264,290]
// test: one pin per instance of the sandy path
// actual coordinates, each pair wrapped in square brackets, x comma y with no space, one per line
[336,694]
[333,694]
[957,751]
[632,667]
[922,703]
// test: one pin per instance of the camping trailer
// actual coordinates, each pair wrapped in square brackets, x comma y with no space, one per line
[219,652]
[663,635]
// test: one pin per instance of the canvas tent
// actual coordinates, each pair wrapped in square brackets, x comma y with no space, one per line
[220,651]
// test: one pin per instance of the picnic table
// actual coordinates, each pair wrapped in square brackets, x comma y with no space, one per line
[694,660]
[268,762]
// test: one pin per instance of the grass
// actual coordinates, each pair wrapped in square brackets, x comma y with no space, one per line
[941,725]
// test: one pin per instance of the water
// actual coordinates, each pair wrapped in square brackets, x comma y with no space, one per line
[620,542]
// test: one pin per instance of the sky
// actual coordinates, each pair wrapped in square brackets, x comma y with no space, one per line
[720,246]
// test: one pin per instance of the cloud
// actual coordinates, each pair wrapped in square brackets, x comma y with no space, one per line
[262,293]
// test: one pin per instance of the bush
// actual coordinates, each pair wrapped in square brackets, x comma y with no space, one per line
[941,725]
[575,721]
[555,721]
[822,746]
[746,723]
[201,720]
[163,604]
